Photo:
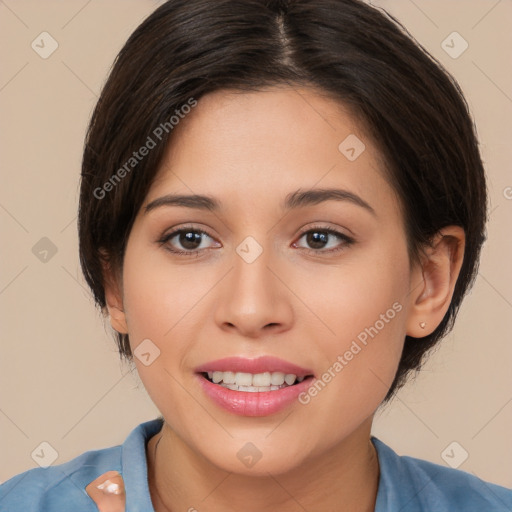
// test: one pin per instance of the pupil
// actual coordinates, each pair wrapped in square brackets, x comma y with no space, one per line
[317,240]
[190,240]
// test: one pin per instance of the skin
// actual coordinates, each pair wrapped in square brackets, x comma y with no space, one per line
[296,301]
[107,499]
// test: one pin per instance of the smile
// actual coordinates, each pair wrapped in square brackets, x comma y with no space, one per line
[253,387]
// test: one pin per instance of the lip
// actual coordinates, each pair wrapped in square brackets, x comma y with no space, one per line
[261,403]
[259,365]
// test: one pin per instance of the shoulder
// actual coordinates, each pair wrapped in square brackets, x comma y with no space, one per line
[52,489]
[419,485]
[55,487]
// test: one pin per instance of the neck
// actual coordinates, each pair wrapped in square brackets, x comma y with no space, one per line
[345,478]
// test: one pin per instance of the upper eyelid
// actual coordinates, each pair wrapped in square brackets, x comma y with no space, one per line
[320,228]
[347,239]
[174,232]
[331,230]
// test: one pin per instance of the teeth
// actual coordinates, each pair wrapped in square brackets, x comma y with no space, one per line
[243,379]
[261,379]
[277,379]
[229,378]
[289,379]
[268,381]
[252,389]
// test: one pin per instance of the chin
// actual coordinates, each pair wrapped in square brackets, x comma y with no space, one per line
[256,458]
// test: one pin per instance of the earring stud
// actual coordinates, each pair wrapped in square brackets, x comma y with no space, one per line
[422,325]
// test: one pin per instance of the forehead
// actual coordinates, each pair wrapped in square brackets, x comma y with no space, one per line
[251,146]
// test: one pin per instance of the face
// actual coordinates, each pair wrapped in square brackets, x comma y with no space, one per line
[296,264]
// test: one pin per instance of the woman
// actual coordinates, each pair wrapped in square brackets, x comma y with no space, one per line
[273,220]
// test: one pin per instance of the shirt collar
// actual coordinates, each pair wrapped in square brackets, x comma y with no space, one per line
[135,468]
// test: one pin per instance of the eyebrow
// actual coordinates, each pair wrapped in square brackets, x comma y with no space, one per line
[315,196]
[298,199]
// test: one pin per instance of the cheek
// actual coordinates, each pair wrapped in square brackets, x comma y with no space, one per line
[157,302]
[353,295]
[159,297]
[361,309]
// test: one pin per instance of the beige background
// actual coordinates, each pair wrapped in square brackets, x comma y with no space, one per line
[61,379]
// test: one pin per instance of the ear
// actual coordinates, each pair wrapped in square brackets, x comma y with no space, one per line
[433,281]
[113,295]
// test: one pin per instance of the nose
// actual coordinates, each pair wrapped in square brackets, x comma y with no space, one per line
[252,301]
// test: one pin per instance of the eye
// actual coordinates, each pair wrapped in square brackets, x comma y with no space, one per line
[324,240]
[188,241]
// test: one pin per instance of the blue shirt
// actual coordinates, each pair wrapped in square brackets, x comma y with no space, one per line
[406,484]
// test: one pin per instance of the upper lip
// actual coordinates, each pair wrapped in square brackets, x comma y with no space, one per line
[258,365]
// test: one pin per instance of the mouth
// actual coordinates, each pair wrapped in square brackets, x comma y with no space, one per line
[253,387]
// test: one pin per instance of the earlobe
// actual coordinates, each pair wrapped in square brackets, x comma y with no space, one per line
[114,297]
[433,281]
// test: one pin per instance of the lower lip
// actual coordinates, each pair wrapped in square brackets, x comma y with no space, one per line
[259,403]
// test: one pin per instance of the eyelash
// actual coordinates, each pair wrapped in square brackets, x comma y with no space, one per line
[347,241]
